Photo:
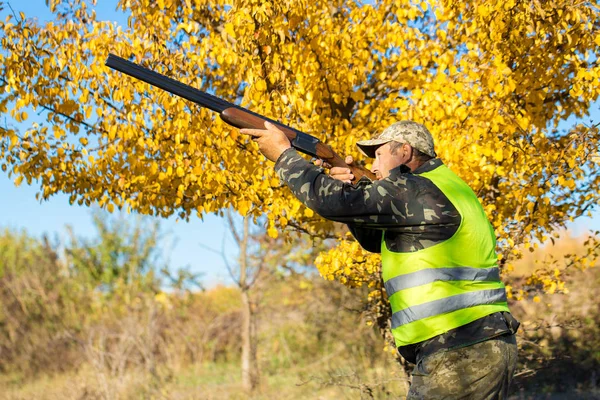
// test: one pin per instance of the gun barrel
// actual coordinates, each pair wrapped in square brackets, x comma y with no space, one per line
[234,115]
[170,85]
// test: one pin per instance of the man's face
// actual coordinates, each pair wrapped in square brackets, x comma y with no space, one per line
[386,160]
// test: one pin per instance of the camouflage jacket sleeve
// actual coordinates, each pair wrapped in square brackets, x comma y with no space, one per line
[361,204]
[410,207]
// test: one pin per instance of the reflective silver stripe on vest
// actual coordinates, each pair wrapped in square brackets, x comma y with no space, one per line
[431,275]
[446,305]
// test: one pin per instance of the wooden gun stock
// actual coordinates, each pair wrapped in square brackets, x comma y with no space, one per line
[303,142]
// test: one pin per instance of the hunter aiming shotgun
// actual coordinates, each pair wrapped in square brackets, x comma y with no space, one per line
[235,115]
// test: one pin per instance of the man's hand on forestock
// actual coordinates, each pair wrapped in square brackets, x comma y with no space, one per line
[341,173]
[271,140]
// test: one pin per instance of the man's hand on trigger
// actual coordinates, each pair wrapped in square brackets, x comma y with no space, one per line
[340,173]
[271,140]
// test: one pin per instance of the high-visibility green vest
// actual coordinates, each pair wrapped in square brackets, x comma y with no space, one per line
[450,283]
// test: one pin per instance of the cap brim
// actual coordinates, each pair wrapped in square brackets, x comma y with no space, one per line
[368,147]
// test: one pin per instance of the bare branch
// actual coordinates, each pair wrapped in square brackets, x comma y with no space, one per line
[227,265]
[232,228]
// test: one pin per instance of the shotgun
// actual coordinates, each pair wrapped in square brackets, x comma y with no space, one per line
[235,115]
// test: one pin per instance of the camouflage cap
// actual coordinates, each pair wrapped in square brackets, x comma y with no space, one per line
[408,132]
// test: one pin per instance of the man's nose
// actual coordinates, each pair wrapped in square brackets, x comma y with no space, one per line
[374,167]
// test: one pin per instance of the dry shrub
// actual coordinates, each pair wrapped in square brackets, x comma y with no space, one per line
[205,326]
[154,336]
[560,333]
[41,309]
[56,316]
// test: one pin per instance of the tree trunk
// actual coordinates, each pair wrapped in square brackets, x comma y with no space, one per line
[249,361]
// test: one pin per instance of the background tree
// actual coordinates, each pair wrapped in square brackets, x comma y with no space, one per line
[245,278]
[260,260]
[123,254]
[495,83]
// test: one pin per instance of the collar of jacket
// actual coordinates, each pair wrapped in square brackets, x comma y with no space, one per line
[428,166]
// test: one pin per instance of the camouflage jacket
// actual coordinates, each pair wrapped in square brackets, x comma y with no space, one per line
[413,211]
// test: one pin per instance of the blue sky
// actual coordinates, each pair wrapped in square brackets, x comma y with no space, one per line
[185,243]
[21,211]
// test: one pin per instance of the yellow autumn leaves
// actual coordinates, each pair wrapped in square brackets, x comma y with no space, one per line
[492,81]
[348,264]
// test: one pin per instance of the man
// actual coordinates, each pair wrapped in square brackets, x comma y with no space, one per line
[439,266]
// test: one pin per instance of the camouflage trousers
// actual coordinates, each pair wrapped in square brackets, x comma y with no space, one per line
[480,371]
